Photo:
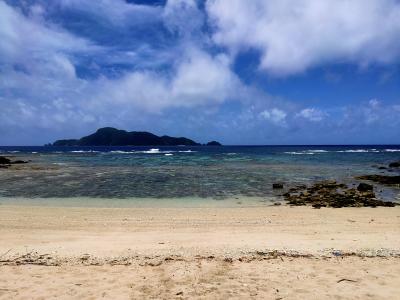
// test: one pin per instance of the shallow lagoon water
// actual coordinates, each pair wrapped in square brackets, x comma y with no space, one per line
[229,172]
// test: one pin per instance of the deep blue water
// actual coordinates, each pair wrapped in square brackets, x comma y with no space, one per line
[169,172]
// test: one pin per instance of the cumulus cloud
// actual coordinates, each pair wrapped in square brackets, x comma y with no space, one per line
[275,115]
[198,79]
[311,114]
[294,35]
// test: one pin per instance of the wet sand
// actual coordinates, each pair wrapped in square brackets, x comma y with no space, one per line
[209,252]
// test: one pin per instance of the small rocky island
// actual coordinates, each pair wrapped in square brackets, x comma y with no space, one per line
[109,136]
[213,143]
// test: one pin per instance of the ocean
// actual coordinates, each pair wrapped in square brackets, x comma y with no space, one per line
[112,174]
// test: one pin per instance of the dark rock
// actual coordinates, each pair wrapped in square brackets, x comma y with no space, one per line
[381,179]
[363,187]
[318,205]
[7,161]
[277,186]
[395,164]
[213,143]
[4,160]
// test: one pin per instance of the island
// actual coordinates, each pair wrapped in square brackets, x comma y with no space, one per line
[213,143]
[109,136]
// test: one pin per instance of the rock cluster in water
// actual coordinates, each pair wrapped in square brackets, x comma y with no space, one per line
[333,194]
[393,166]
[6,162]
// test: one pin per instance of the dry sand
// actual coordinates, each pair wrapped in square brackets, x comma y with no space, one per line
[161,253]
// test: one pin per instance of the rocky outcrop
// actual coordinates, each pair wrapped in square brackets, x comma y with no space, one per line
[333,194]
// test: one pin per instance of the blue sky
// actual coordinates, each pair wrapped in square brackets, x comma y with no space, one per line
[241,72]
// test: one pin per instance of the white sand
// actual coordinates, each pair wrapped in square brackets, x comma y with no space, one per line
[167,251]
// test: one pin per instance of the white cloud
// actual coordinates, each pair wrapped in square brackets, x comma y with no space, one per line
[33,47]
[312,114]
[372,113]
[201,78]
[116,12]
[198,79]
[294,35]
[274,115]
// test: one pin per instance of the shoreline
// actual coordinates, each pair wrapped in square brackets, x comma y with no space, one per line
[137,202]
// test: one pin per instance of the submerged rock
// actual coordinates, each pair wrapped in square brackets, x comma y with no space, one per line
[4,160]
[17,162]
[383,179]
[364,187]
[276,186]
[395,164]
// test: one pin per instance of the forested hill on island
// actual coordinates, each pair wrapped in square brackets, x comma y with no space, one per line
[109,136]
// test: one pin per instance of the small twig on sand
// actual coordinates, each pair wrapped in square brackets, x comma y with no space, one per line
[8,290]
[345,279]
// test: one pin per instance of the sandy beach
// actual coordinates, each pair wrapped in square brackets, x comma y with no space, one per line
[264,252]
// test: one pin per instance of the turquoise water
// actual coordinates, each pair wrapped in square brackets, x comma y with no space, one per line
[182,172]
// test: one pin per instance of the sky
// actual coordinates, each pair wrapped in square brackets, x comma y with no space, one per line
[258,72]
